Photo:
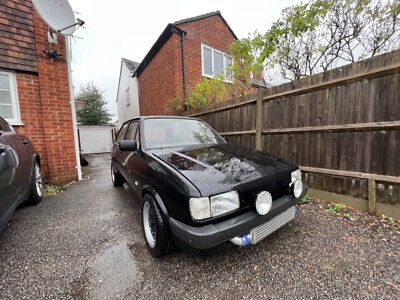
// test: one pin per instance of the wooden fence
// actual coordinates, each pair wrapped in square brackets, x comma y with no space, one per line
[342,127]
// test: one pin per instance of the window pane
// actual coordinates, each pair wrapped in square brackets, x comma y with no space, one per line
[4,82]
[228,71]
[207,61]
[121,133]
[5,97]
[218,63]
[8,100]
[130,135]
[6,111]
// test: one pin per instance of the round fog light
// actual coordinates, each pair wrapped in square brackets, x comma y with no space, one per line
[263,203]
[297,188]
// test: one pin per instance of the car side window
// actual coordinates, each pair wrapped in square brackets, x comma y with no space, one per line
[133,132]
[130,134]
[121,133]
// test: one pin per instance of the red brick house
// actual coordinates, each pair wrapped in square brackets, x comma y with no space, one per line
[185,52]
[34,89]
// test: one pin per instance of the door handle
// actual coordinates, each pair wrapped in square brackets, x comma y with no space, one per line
[25,141]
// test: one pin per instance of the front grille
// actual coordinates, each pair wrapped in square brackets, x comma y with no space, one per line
[260,232]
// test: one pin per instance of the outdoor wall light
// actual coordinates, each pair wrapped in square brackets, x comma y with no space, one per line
[53,54]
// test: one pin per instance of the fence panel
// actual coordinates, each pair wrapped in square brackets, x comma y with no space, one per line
[341,126]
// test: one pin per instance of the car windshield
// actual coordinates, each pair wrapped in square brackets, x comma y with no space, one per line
[174,132]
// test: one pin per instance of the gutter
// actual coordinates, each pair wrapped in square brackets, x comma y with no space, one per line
[162,39]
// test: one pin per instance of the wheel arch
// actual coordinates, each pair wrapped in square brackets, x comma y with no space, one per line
[35,159]
[148,189]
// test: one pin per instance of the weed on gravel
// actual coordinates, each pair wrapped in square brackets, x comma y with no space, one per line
[351,214]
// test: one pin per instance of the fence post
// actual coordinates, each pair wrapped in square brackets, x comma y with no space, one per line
[259,121]
[371,196]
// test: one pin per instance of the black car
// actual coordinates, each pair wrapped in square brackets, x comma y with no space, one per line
[198,190]
[20,177]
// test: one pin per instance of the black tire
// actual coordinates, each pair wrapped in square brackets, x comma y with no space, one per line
[155,229]
[84,162]
[116,176]
[36,188]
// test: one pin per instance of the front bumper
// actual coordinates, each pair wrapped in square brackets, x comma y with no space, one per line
[211,235]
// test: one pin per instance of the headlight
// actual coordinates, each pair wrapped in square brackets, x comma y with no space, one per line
[296,175]
[204,208]
[296,184]
[224,203]
[199,208]
[297,188]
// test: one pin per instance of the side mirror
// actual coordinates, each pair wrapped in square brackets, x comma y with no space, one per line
[128,145]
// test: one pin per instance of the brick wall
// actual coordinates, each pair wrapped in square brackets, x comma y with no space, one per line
[56,108]
[211,31]
[162,79]
[43,92]
[32,116]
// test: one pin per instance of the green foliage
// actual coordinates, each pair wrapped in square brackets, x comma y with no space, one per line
[347,216]
[334,208]
[305,199]
[246,64]
[94,111]
[322,34]
[294,21]
[175,106]
[50,190]
[207,92]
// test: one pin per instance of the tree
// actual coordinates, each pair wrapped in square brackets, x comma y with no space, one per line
[323,34]
[93,111]
[206,92]
[246,68]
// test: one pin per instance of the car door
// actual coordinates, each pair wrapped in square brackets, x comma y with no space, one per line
[118,155]
[130,135]
[15,168]
[136,164]
[127,132]
[7,177]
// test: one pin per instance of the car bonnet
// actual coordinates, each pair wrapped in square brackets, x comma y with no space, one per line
[219,168]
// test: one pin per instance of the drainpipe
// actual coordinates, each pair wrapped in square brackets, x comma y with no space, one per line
[183,63]
[73,112]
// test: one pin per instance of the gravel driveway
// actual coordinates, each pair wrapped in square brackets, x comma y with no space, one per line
[86,243]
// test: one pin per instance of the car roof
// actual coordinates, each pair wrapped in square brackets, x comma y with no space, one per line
[160,117]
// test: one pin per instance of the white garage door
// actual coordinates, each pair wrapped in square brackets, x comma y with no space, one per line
[95,139]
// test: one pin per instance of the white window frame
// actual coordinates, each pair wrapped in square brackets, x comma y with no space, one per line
[14,98]
[224,66]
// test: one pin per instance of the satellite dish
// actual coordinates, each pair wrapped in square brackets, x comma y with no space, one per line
[57,14]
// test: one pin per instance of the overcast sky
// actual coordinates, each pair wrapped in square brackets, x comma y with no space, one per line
[126,28]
